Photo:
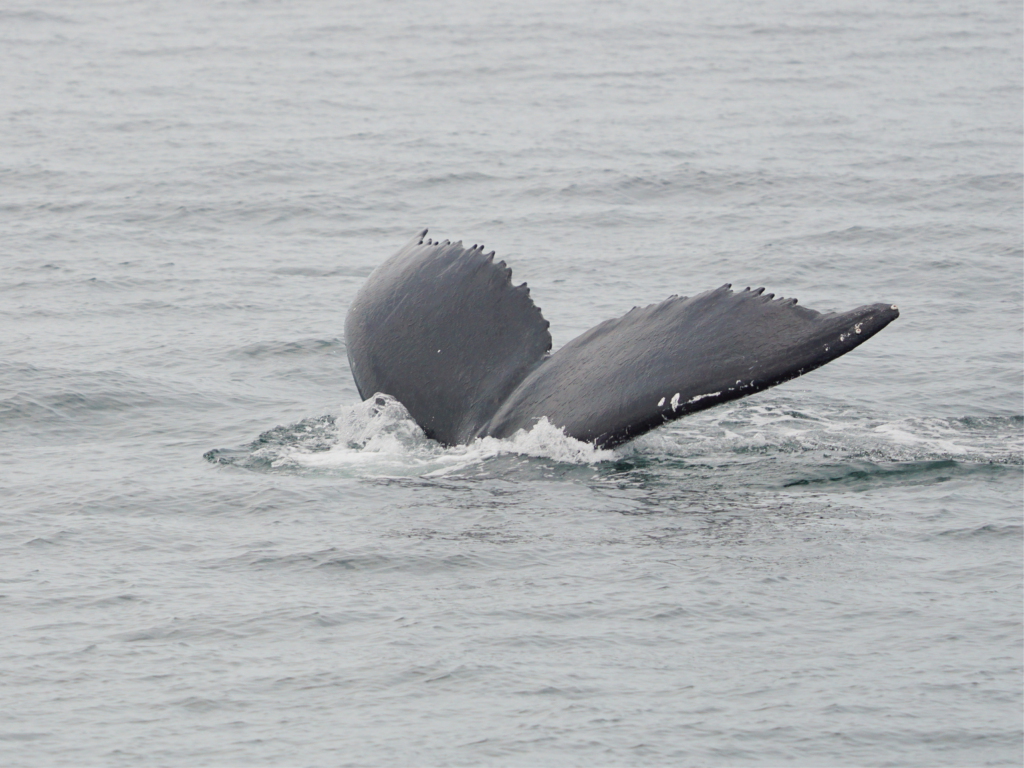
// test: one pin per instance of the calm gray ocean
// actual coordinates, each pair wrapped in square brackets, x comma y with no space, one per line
[212,554]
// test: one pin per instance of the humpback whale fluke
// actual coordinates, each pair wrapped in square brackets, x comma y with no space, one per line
[441,328]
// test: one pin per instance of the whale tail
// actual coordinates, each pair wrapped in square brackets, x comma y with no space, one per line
[441,328]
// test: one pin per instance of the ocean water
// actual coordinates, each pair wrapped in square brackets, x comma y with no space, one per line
[211,553]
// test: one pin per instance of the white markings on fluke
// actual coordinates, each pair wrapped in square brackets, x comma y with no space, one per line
[674,402]
[857,328]
[701,397]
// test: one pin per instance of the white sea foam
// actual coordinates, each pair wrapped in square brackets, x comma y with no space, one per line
[379,436]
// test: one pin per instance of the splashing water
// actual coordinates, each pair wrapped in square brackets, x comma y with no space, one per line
[378,438]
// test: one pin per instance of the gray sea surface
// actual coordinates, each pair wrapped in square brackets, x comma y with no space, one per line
[211,553]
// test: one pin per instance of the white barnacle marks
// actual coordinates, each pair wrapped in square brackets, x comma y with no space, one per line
[675,401]
[698,398]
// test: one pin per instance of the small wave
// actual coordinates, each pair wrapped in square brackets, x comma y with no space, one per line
[41,397]
[988,530]
[35,15]
[289,348]
[863,474]
[320,273]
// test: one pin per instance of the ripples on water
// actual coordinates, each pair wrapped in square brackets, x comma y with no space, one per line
[828,573]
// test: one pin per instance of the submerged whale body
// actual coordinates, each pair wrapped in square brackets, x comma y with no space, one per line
[441,328]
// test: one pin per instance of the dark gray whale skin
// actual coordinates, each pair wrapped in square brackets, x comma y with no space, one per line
[442,329]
